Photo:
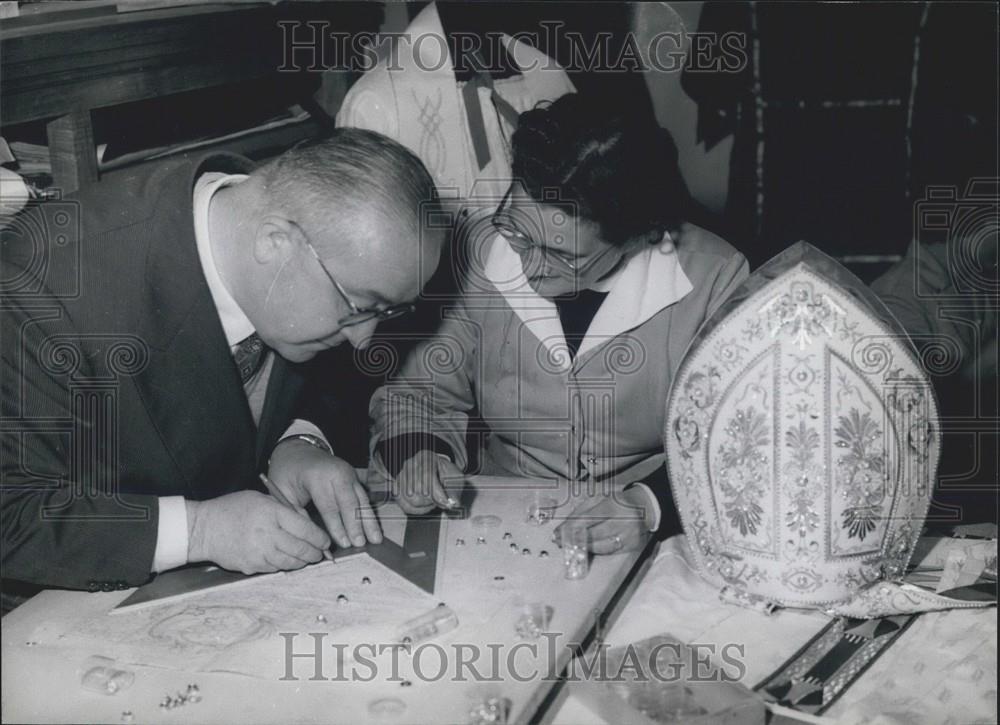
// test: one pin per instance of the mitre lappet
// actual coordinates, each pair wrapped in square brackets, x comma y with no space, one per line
[802,442]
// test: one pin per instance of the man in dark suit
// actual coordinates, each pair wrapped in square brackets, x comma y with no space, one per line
[152,327]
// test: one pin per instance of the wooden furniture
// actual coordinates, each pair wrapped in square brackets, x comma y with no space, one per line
[59,70]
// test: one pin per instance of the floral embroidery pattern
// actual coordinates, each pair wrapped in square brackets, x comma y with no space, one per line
[700,388]
[743,464]
[793,421]
[859,472]
[803,442]
[730,353]
[802,314]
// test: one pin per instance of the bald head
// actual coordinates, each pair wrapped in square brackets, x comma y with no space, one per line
[354,183]
[329,228]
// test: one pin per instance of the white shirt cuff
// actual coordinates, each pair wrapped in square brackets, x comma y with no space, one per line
[171,534]
[304,427]
[653,504]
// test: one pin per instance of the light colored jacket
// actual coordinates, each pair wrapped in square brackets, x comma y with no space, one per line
[500,353]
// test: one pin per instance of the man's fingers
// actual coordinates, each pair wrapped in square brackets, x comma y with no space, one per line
[280,561]
[347,502]
[329,505]
[326,504]
[373,532]
[301,527]
[302,551]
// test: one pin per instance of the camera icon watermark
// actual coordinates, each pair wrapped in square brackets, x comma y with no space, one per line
[968,224]
[42,252]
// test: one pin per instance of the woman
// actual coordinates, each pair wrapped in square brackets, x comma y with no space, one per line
[573,315]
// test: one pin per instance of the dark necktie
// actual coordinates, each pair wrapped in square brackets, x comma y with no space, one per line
[249,356]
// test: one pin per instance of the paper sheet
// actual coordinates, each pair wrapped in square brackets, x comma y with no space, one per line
[240,628]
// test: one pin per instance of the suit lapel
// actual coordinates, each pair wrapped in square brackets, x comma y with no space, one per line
[283,387]
[191,388]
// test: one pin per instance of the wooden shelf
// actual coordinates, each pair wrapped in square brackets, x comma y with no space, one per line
[61,69]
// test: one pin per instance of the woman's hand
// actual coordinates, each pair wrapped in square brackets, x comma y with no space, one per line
[426,480]
[616,523]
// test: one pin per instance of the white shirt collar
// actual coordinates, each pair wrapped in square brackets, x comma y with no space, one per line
[649,281]
[235,324]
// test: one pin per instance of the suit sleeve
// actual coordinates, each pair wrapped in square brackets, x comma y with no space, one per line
[65,522]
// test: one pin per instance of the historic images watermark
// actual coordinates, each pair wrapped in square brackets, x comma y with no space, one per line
[61,387]
[313,657]
[314,46]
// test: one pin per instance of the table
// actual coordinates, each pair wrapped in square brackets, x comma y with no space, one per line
[484,583]
[943,669]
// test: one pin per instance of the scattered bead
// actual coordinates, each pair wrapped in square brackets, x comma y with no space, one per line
[543,554]
[341,599]
[405,683]
[499,578]
[459,542]
[127,716]
[30,643]
[366,580]
[526,552]
[513,547]
[508,536]
[480,539]
[321,618]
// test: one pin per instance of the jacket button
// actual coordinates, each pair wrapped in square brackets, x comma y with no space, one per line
[93,586]
[108,586]
[591,460]
[122,585]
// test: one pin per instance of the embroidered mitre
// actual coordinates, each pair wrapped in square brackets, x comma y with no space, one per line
[802,438]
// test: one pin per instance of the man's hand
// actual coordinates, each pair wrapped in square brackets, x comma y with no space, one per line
[250,532]
[616,524]
[427,480]
[305,473]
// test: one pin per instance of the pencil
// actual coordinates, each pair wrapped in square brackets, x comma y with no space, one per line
[280,498]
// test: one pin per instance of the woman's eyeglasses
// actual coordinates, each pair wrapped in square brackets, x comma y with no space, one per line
[360,315]
[521,242]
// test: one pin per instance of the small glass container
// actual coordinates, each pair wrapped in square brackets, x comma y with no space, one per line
[576,553]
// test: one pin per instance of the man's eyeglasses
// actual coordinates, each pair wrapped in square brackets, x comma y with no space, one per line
[521,242]
[359,315]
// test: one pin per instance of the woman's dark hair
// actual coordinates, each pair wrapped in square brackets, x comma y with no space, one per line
[619,168]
